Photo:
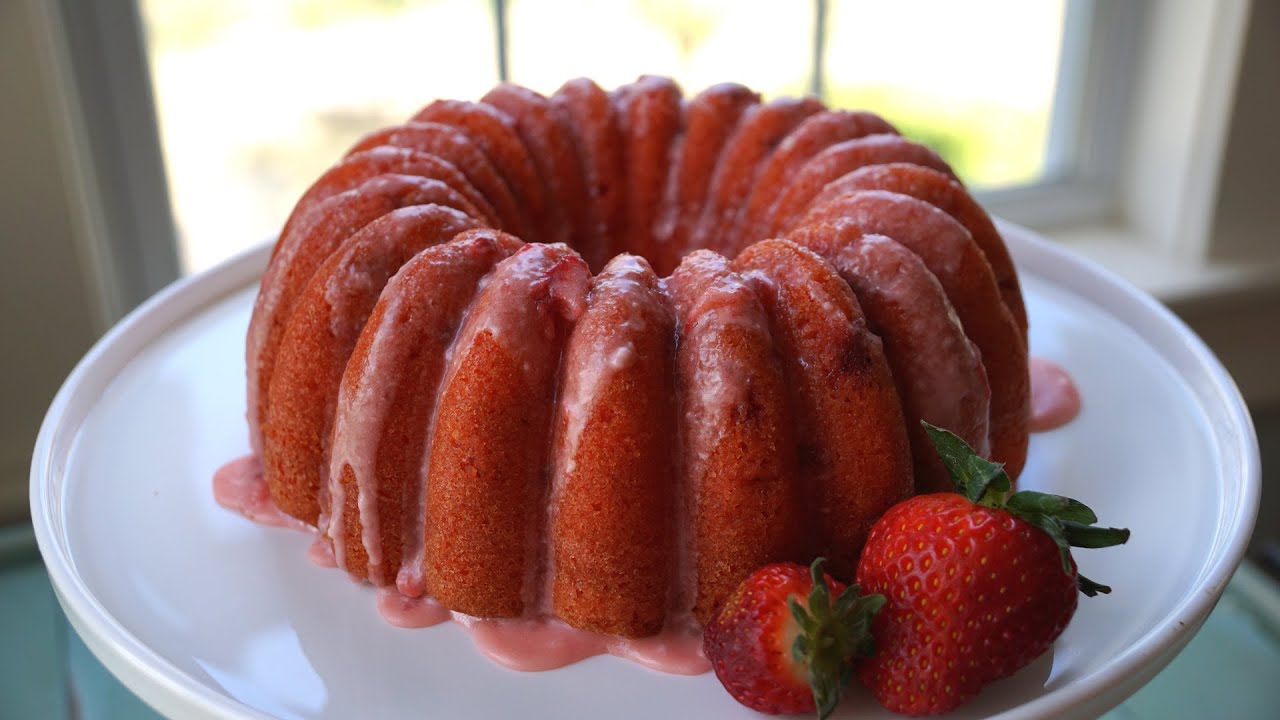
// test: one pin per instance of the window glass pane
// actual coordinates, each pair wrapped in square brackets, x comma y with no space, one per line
[697,42]
[975,79]
[256,99]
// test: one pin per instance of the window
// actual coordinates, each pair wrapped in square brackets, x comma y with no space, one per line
[1122,159]
[951,80]
[1157,160]
[256,99]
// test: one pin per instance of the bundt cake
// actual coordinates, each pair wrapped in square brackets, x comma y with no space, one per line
[594,357]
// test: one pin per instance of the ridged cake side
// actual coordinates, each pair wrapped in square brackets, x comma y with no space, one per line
[481,419]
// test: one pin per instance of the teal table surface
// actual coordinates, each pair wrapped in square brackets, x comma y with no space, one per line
[1231,669]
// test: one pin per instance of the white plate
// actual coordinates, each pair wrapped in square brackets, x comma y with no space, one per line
[207,615]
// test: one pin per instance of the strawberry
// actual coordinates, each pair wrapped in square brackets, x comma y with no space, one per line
[978,583]
[783,642]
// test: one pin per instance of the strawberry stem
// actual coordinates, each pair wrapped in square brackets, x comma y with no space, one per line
[1069,522]
[831,636]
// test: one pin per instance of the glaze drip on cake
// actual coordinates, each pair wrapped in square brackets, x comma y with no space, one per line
[577,364]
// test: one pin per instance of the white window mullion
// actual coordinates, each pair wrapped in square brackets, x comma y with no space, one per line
[1179,124]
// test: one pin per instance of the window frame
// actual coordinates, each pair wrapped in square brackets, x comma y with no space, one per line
[1097,70]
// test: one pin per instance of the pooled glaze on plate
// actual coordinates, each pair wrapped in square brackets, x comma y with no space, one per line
[1055,400]
[525,644]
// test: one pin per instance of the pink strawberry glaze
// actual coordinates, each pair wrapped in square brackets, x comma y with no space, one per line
[320,552]
[410,612]
[1055,399]
[536,644]
[240,486]
[678,652]
[532,645]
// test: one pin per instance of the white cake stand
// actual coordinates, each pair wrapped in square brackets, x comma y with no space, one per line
[206,615]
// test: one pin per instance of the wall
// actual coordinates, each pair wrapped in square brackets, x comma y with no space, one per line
[49,319]
[1241,327]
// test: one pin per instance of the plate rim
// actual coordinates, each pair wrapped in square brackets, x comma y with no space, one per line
[167,688]
[158,682]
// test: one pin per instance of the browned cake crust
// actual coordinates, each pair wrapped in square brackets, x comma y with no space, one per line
[760,131]
[936,368]
[452,145]
[964,273]
[838,160]
[495,133]
[309,243]
[488,482]
[949,196]
[550,142]
[317,342]
[390,386]
[815,134]
[741,495]
[853,454]
[355,169]
[649,118]
[710,118]
[589,114]
[611,527]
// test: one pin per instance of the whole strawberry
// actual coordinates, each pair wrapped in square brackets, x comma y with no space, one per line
[784,641]
[979,583]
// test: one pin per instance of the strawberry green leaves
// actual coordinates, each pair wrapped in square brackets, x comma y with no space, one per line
[982,481]
[786,639]
[1030,501]
[1069,522]
[831,636]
